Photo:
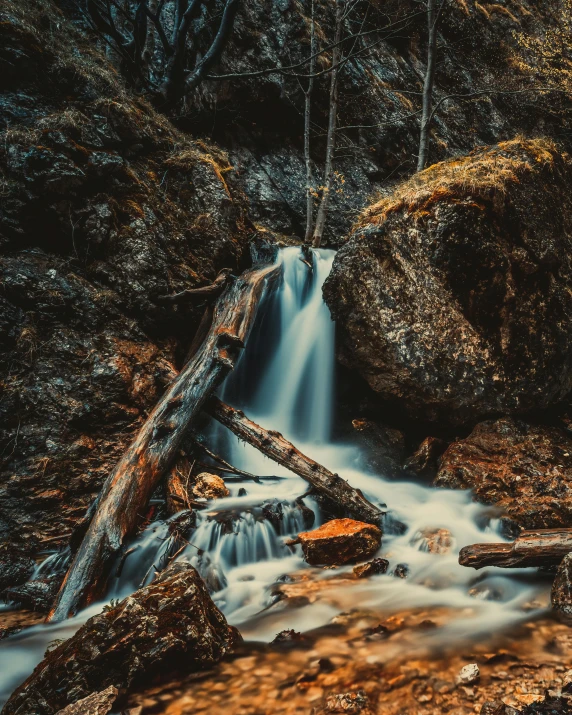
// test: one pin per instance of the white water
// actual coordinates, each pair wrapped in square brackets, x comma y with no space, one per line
[285,381]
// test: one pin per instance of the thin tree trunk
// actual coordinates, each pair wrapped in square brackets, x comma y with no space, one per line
[432,16]
[307,125]
[541,547]
[128,488]
[331,138]
[149,48]
[273,445]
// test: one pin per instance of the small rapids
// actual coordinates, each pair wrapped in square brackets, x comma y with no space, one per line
[285,380]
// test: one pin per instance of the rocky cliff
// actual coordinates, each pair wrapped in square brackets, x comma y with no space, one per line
[452,296]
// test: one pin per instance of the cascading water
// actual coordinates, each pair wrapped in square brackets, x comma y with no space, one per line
[285,381]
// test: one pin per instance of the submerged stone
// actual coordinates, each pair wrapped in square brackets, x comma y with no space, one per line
[340,541]
[371,568]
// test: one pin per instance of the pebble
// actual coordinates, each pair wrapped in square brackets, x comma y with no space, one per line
[469,674]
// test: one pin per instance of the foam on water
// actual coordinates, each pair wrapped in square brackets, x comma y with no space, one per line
[285,381]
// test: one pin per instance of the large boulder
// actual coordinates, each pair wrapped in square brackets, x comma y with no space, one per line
[339,541]
[524,469]
[170,625]
[452,297]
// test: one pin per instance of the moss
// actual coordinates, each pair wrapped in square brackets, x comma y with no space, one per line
[483,173]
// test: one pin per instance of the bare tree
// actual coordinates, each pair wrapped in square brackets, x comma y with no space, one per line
[331,137]
[427,113]
[131,29]
[307,126]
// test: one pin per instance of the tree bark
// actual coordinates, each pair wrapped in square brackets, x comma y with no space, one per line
[307,126]
[541,547]
[274,446]
[332,122]
[432,17]
[213,289]
[128,488]
[214,52]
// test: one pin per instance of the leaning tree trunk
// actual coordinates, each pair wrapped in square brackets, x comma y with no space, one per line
[128,488]
[332,123]
[428,83]
[541,547]
[273,445]
[307,129]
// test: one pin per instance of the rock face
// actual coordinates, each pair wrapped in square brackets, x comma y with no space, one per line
[561,594]
[210,486]
[171,624]
[105,207]
[95,704]
[524,469]
[340,541]
[451,297]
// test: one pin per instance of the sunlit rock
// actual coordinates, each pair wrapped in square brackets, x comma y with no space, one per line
[210,486]
[340,541]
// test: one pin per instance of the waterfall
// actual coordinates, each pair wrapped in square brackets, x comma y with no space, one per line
[285,380]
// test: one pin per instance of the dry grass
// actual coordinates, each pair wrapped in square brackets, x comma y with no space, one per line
[494,9]
[483,173]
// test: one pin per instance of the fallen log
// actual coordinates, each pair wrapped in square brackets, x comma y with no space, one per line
[128,488]
[212,290]
[540,547]
[274,446]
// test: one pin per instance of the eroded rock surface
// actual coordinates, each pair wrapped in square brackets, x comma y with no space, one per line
[452,296]
[340,541]
[210,486]
[169,625]
[561,594]
[524,469]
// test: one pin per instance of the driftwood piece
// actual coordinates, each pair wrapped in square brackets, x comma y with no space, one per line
[274,446]
[210,291]
[177,487]
[127,489]
[540,547]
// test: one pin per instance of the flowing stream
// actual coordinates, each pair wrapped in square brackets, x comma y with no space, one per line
[285,380]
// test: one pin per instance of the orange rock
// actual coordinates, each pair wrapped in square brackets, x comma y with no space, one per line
[340,541]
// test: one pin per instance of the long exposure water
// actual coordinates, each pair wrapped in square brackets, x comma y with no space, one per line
[285,381]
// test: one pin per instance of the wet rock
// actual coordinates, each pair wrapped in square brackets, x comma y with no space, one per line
[561,594]
[347,702]
[274,513]
[371,568]
[37,595]
[288,637]
[401,571]
[15,567]
[339,542]
[95,704]
[445,296]
[524,469]
[469,674]
[435,541]
[425,460]
[383,447]
[170,625]
[107,206]
[210,486]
